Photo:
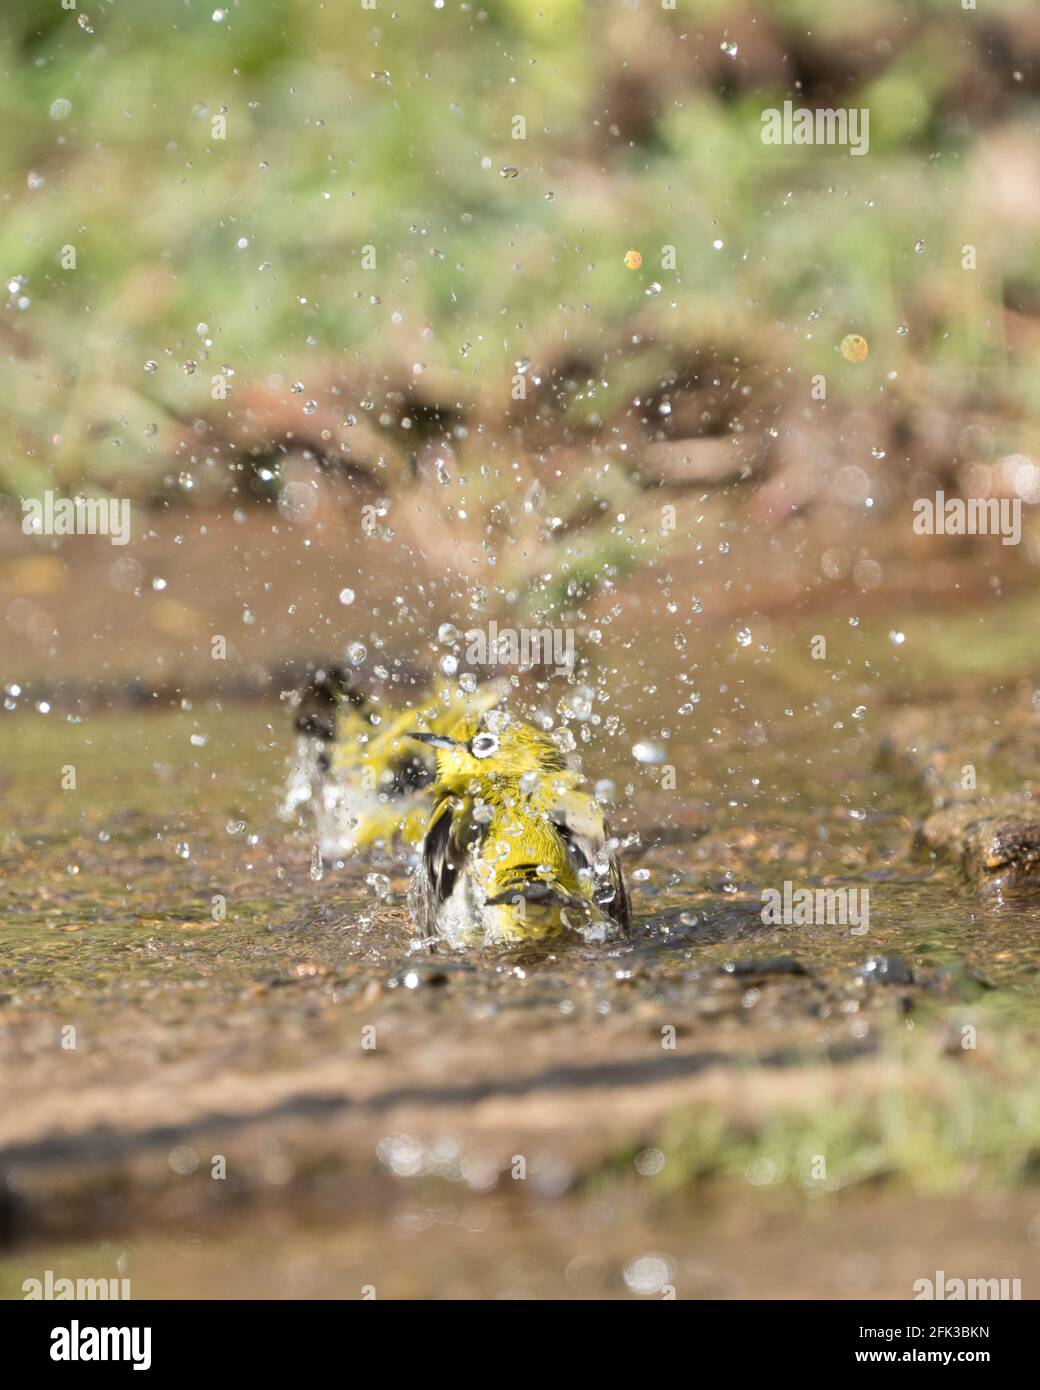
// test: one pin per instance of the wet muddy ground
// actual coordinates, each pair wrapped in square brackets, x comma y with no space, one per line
[269,1088]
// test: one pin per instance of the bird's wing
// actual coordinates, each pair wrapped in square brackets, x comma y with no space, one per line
[443,858]
[620,906]
[580,824]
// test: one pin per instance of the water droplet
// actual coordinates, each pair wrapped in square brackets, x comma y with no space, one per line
[854,347]
[346,597]
[379,883]
[648,753]
[648,1274]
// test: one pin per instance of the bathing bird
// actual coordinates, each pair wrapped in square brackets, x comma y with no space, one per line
[514,849]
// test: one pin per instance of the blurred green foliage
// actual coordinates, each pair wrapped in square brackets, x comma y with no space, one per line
[349,127]
[924,1116]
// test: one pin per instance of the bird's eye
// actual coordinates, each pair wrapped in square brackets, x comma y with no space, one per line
[484,745]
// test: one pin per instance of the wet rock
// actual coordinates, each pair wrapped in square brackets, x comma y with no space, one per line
[422,975]
[774,965]
[982,811]
[1002,847]
[886,970]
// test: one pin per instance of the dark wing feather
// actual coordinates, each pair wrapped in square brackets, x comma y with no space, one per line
[576,852]
[621,907]
[442,860]
[580,851]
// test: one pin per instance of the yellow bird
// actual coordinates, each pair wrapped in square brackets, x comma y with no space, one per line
[514,849]
[361,781]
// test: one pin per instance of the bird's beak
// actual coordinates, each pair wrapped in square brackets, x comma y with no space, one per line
[434,740]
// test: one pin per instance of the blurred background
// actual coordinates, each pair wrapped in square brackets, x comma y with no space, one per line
[365,364]
[223,177]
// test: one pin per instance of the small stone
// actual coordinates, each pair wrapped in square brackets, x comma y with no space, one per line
[886,970]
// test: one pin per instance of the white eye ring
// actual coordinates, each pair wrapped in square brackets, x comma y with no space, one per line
[484,745]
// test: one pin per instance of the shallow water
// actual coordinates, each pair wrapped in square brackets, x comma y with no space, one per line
[471,1246]
[220,984]
[116,885]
